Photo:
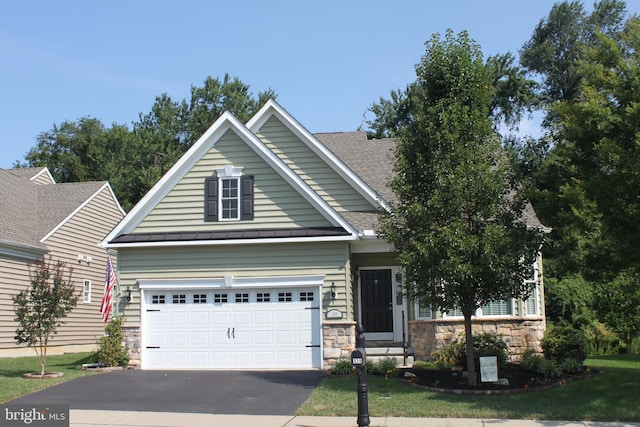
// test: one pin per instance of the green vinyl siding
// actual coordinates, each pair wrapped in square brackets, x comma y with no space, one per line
[330,259]
[339,194]
[276,203]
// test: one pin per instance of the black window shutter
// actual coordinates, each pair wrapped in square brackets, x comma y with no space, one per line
[247,198]
[211,198]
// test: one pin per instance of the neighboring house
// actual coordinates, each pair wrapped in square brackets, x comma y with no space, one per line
[258,249]
[40,219]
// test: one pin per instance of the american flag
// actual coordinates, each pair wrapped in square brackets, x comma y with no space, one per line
[110,280]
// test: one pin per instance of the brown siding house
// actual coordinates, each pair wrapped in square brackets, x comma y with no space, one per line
[40,218]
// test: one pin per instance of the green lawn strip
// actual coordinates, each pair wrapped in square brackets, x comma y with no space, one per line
[13,385]
[611,396]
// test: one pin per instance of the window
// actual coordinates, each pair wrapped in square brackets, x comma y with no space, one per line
[423,312]
[228,195]
[200,299]
[157,299]
[306,296]
[284,297]
[498,308]
[242,297]
[179,299]
[219,298]
[531,304]
[263,297]
[86,292]
[229,198]
[456,312]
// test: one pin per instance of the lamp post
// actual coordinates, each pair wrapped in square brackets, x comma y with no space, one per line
[359,361]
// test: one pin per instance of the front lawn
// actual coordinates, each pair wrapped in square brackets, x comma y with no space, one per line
[13,385]
[610,396]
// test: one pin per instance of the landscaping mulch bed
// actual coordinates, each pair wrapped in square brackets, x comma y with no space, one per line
[519,381]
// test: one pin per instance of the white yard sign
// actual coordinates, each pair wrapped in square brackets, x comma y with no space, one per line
[488,369]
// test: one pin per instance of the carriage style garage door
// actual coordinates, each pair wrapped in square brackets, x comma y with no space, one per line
[263,328]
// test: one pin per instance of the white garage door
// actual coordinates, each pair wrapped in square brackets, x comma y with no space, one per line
[231,329]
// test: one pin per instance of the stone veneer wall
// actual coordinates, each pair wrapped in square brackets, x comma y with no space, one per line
[427,336]
[132,344]
[339,340]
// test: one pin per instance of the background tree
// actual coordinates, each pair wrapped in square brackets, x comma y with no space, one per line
[512,95]
[41,308]
[134,159]
[582,177]
[456,225]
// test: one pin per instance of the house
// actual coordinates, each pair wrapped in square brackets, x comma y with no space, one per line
[40,218]
[258,249]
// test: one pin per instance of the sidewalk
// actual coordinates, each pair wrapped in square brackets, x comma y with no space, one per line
[85,418]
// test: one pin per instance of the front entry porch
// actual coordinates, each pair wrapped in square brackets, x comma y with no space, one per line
[382,307]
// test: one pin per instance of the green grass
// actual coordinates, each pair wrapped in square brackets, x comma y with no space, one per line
[13,385]
[610,396]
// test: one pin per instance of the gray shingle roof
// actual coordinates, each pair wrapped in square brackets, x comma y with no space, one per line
[28,211]
[27,172]
[372,160]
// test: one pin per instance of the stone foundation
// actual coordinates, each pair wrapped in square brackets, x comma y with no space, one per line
[132,344]
[427,336]
[339,340]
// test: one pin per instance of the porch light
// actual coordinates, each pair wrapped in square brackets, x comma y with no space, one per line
[334,294]
[127,294]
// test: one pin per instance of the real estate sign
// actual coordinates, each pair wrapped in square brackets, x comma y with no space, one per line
[488,369]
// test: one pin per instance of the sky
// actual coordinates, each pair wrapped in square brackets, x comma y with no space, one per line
[328,60]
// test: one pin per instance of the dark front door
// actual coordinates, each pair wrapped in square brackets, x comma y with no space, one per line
[377,303]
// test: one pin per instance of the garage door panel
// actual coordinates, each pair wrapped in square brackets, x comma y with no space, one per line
[179,318]
[179,338]
[285,337]
[264,338]
[242,336]
[285,317]
[200,338]
[263,318]
[243,317]
[179,358]
[221,317]
[238,329]
[199,358]
[200,318]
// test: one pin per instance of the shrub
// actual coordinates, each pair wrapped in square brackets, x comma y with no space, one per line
[449,355]
[549,369]
[489,344]
[386,366]
[531,361]
[485,344]
[342,367]
[111,352]
[562,342]
[599,340]
[571,366]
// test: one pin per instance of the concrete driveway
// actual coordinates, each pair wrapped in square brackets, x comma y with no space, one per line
[208,392]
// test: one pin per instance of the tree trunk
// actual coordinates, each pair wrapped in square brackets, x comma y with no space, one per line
[471,364]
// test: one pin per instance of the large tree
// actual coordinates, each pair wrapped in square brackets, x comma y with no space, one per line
[599,136]
[584,172]
[456,225]
[512,95]
[557,43]
[134,159]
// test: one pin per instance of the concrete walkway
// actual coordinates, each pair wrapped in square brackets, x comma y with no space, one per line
[90,418]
